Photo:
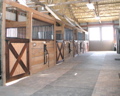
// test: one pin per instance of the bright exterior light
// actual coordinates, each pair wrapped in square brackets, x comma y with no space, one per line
[90,6]
[97,17]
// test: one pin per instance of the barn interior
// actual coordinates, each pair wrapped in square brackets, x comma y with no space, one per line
[51,40]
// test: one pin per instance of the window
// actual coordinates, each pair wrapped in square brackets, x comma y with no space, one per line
[16,32]
[81,36]
[58,36]
[68,34]
[42,30]
[94,34]
[107,33]
[12,32]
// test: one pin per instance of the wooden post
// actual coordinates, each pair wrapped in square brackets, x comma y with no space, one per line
[63,38]
[54,33]
[29,35]
[119,19]
[63,31]
[2,46]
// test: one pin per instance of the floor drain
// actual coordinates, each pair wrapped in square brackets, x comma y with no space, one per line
[119,75]
[117,58]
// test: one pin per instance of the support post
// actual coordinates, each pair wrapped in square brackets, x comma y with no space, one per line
[29,35]
[119,19]
[55,42]
[2,43]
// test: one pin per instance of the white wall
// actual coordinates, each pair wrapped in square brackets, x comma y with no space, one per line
[101,46]
[12,16]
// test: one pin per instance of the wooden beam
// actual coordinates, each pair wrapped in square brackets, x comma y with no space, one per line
[102,24]
[48,9]
[63,3]
[94,17]
[104,10]
[43,19]
[101,4]
[52,12]
[15,24]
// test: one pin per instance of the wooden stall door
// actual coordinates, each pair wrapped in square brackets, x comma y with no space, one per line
[59,51]
[75,48]
[17,59]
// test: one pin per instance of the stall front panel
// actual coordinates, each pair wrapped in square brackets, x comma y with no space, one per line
[68,41]
[43,55]
[42,46]
[59,51]
[17,45]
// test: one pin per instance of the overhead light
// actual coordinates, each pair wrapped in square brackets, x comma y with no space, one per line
[97,17]
[50,5]
[43,8]
[90,6]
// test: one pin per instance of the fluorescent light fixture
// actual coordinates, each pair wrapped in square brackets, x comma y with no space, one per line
[50,5]
[90,6]
[43,8]
[97,17]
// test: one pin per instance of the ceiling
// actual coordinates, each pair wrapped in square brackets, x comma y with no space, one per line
[107,10]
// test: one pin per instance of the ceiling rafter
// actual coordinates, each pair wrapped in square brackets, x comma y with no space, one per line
[100,16]
[78,8]
[100,4]
[104,10]
[71,12]
[82,10]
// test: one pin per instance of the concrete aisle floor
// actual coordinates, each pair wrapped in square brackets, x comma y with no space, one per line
[90,74]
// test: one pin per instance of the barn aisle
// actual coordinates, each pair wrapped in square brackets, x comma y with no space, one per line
[90,74]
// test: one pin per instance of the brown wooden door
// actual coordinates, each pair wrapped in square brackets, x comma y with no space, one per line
[59,51]
[75,47]
[17,59]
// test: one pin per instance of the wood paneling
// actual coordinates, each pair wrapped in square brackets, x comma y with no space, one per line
[38,56]
[15,24]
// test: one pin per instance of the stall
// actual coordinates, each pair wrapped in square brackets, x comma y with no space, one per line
[59,42]
[83,43]
[29,41]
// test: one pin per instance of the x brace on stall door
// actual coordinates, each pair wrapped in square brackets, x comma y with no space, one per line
[60,53]
[18,57]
